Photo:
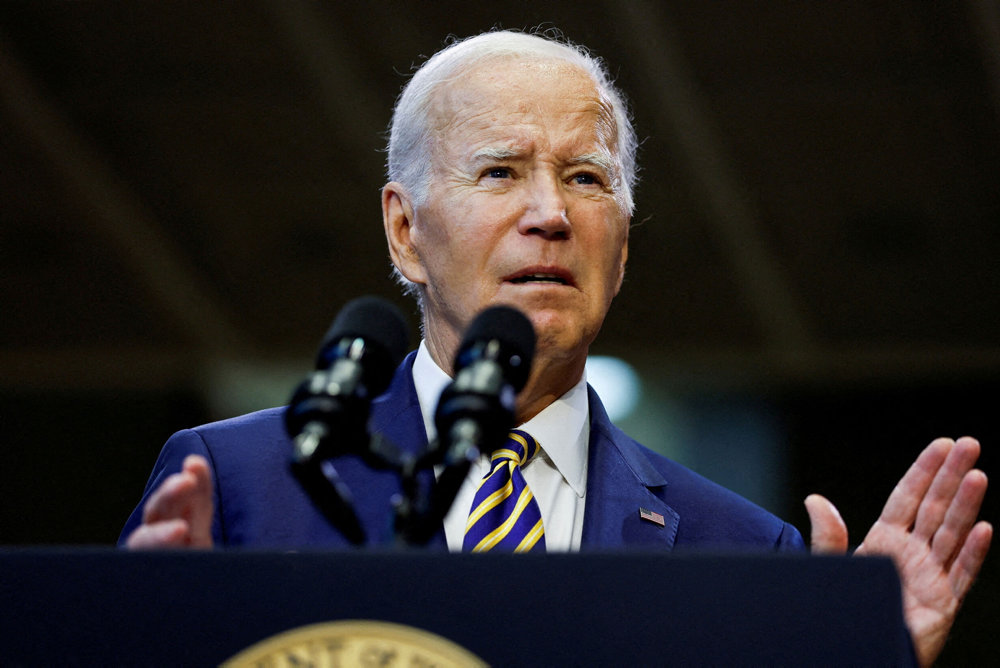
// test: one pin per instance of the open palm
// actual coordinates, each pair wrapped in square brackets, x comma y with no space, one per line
[929,528]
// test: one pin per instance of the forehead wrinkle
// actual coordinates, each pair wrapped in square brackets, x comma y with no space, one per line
[466,93]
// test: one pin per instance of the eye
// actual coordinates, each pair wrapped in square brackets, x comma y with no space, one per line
[586,179]
[497,173]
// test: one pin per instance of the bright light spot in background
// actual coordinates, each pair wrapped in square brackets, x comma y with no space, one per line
[616,383]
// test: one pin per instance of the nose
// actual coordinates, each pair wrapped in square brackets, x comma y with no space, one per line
[545,214]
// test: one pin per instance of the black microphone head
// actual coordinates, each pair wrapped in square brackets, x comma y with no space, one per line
[515,338]
[382,327]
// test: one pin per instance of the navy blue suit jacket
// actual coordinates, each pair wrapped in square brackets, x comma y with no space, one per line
[259,504]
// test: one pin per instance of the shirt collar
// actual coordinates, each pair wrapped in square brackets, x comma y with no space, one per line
[561,428]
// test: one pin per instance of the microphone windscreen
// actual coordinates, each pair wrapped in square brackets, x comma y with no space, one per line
[379,323]
[513,331]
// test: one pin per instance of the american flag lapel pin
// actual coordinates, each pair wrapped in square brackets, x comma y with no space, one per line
[650,516]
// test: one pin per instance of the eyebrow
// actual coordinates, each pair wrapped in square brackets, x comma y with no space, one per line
[494,153]
[598,159]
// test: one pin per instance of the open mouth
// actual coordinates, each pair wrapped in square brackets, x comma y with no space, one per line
[540,278]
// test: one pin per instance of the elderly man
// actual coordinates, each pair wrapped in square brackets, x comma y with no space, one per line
[511,161]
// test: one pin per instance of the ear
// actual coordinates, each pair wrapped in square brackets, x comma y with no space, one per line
[397,218]
[622,260]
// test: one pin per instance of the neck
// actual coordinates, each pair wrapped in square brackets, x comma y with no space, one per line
[550,378]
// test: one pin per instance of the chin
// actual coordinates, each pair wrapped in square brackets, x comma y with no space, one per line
[559,341]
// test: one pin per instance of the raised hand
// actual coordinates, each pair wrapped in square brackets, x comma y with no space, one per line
[179,513]
[929,528]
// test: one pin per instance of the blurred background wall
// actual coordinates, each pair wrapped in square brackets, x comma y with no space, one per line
[190,191]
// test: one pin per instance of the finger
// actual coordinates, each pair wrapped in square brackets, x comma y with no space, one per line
[201,507]
[171,498]
[970,559]
[828,533]
[904,501]
[169,534]
[945,486]
[961,515]
[197,467]
[180,492]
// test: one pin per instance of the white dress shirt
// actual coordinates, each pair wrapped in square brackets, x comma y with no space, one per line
[557,475]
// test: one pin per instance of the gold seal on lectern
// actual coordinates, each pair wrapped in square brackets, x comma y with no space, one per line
[355,643]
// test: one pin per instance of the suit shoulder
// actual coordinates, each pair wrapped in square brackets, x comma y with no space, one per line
[711,514]
[261,432]
[264,424]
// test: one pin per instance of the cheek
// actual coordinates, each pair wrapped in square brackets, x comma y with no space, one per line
[473,230]
[432,233]
[451,253]
[613,264]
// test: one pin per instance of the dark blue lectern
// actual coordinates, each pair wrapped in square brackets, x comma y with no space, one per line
[107,607]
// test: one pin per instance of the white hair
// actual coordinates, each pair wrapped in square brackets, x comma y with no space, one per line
[410,131]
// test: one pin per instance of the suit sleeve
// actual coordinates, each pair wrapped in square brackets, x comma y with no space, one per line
[790,540]
[175,450]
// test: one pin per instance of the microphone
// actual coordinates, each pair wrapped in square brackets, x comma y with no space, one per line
[355,364]
[475,411]
[492,365]
[328,413]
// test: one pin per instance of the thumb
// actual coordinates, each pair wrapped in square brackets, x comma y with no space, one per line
[829,533]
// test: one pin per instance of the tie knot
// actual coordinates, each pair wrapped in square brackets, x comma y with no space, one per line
[519,448]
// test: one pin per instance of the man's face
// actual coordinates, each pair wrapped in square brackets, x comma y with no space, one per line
[520,209]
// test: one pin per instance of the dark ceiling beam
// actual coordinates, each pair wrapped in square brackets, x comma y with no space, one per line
[684,118]
[117,216]
[851,367]
[985,19]
[356,115]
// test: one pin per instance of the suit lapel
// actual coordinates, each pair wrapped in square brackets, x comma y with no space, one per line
[396,413]
[620,483]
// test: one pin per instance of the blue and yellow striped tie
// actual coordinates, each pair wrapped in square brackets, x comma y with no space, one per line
[505,514]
